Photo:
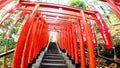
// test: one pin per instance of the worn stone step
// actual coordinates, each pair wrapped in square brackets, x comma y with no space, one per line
[52,58]
[48,54]
[56,56]
[53,64]
[61,58]
[53,61]
[43,66]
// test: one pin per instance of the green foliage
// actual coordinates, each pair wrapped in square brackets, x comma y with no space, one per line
[11,42]
[16,1]
[2,42]
[96,28]
[117,43]
[9,60]
[106,19]
[78,4]
[114,18]
[7,23]
[51,38]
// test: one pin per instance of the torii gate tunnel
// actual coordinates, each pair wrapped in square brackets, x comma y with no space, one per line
[72,25]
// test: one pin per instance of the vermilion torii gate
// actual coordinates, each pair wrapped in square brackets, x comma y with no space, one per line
[67,21]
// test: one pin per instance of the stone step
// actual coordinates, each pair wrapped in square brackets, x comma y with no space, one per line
[53,61]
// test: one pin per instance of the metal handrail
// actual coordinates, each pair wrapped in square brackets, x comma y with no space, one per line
[108,59]
[7,53]
[103,57]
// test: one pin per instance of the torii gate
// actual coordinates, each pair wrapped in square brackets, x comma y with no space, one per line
[39,20]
